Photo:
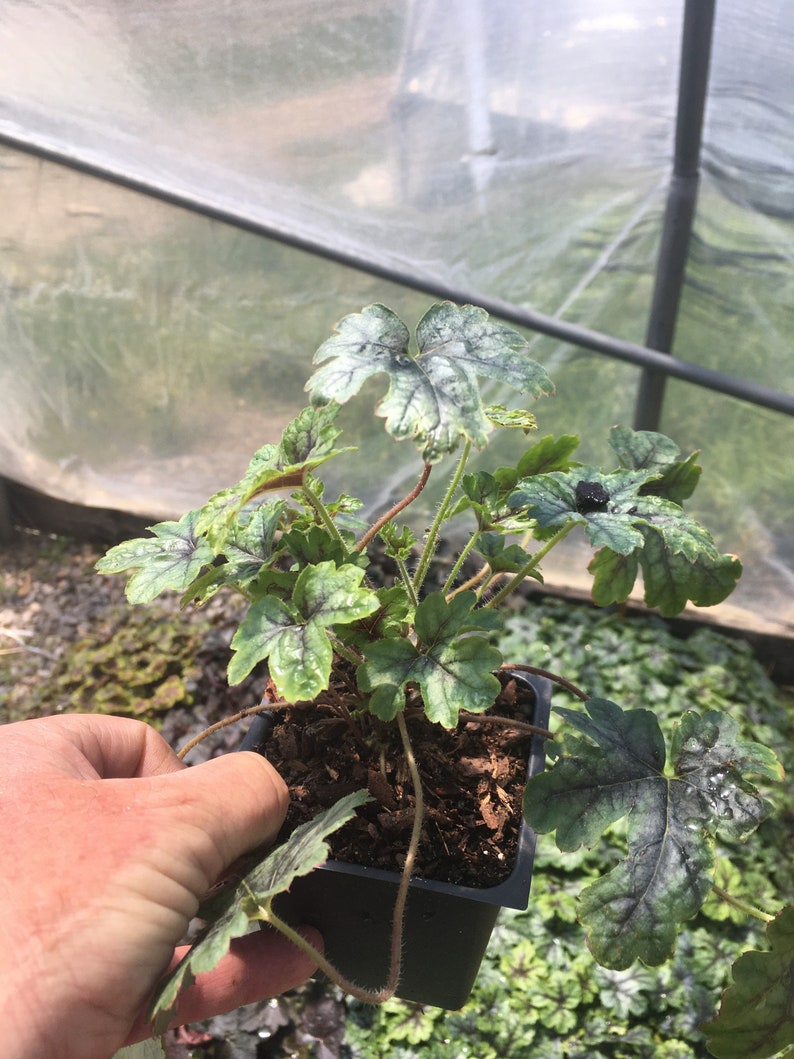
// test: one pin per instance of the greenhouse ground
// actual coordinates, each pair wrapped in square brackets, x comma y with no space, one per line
[69,642]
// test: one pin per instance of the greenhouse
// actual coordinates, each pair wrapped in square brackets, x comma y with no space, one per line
[195,194]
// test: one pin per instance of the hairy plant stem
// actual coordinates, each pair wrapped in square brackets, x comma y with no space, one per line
[527,569]
[740,904]
[473,581]
[466,550]
[371,996]
[406,500]
[431,538]
[262,707]
[322,513]
[406,580]
[555,678]
[506,722]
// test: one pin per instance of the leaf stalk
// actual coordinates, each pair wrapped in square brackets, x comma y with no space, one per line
[534,562]
[740,904]
[441,515]
[398,507]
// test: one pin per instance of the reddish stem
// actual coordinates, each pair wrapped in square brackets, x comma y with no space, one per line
[554,677]
[406,500]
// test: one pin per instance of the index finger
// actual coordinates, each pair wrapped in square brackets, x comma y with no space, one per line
[90,747]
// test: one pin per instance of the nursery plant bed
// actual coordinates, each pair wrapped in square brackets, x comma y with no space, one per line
[379,662]
[447,925]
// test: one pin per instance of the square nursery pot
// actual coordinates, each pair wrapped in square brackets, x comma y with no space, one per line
[447,927]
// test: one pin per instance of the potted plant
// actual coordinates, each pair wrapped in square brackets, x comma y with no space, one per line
[384,666]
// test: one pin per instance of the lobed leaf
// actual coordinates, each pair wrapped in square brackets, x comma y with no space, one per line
[170,559]
[249,547]
[433,397]
[294,636]
[249,900]
[451,667]
[619,770]
[554,500]
[622,516]
[756,1017]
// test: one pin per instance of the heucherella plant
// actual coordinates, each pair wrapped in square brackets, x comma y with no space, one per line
[318,620]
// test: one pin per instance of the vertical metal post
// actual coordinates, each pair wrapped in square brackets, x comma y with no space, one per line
[679,213]
[482,148]
[6,525]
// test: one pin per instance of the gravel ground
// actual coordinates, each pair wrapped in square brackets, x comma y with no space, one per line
[70,642]
[50,599]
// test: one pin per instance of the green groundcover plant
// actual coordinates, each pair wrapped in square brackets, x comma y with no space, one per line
[303,562]
[538,992]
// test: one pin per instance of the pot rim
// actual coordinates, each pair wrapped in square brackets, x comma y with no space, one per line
[512,892]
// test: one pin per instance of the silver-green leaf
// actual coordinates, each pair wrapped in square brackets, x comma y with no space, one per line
[433,396]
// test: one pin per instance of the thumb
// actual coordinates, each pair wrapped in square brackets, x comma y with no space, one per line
[236,802]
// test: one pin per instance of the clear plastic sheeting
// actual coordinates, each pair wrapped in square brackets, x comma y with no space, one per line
[521,150]
[376,126]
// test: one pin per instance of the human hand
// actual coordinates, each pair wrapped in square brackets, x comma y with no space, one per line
[109,842]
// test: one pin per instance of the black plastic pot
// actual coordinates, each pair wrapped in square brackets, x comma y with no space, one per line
[447,927]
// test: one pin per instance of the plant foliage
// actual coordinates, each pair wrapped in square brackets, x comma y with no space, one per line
[433,396]
[635,911]
[328,631]
[756,1018]
[300,566]
[633,516]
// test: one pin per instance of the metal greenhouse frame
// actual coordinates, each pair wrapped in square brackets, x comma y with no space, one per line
[654,357]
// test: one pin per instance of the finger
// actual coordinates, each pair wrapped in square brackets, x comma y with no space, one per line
[260,965]
[91,746]
[128,748]
[236,802]
[220,809]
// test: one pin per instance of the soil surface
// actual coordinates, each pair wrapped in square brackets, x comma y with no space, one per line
[473,778]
